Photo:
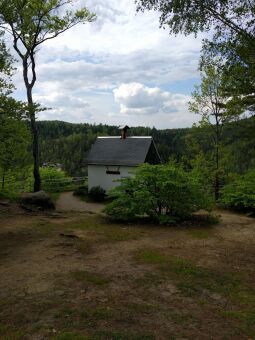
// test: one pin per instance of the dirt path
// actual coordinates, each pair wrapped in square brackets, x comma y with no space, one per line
[74,275]
[68,202]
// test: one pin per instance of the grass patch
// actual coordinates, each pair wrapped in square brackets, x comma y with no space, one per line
[71,336]
[191,279]
[144,308]
[116,335]
[179,318]
[246,319]
[104,335]
[6,333]
[148,279]
[150,256]
[96,279]
[90,222]
[200,234]
[117,233]
[106,230]
[99,313]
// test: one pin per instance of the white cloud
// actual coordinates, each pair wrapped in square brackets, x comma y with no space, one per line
[138,99]
[84,73]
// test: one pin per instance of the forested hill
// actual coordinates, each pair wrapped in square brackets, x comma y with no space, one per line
[68,143]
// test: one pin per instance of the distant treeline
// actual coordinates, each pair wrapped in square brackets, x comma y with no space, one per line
[68,144]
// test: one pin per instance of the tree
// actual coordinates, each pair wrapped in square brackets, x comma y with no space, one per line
[31,23]
[233,25]
[236,56]
[240,194]
[210,102]
[14,142]
[5,70]
[14,136]
[165,193]
[224,16]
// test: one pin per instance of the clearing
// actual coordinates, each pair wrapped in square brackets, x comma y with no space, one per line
[74,275]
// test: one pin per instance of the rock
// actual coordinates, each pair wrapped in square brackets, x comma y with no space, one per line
[36,201]
[5,203]
[69,235]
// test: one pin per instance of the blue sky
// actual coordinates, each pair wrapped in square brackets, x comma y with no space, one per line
[121,69]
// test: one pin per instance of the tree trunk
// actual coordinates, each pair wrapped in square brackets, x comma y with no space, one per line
[31,108]
[37,178]
[217,182]
[3,179]
[217,186]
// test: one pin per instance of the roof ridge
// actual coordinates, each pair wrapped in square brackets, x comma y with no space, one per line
[118,137]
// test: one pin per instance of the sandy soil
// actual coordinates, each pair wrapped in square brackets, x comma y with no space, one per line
[68,202]
[78,273]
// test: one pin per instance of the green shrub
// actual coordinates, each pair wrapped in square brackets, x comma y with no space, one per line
[54,180]
[97,194]
[8,195]
[240,194]
[82,190]
[165,193]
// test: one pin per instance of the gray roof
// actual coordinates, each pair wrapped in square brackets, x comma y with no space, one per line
[116,151]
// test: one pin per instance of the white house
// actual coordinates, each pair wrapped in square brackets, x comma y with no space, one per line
[112,158]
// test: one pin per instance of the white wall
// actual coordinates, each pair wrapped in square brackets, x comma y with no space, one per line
[97,175]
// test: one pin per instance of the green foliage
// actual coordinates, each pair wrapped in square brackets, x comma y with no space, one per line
[68,143]
[54,180]
[82,190]
[194,16]
[30,23]
[6,70]
[240,194]
[8,195]
[210,101]
[97,194]
[233,41]
[14,145]
[165,193]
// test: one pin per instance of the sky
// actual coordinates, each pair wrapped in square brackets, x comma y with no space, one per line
[121,69]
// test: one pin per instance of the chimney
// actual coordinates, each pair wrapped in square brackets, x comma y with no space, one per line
[123,130]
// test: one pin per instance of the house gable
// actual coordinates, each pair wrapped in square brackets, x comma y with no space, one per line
[153,155]
[131,151]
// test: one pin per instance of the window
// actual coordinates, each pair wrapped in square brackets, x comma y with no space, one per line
[112,172]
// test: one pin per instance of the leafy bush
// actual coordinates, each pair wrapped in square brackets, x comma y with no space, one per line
[54,180]
[240,194]
[8,195]
[165,193]
[97,194]
[82,190]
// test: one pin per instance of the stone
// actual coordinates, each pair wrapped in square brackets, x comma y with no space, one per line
[35,201]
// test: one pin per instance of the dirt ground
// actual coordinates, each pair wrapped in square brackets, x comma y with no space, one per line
[68,202]
[75,275]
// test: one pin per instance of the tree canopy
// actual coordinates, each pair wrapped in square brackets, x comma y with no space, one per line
[232,23]
[185,16]
[30,23]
